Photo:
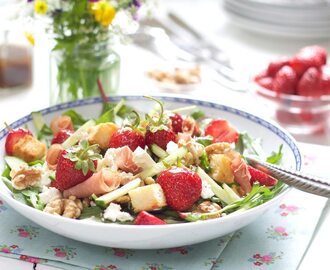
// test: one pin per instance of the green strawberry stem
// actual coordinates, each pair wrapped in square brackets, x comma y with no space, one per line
[161,105]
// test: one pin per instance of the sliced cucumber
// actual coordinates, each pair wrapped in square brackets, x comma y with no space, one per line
[111,196]
[160,166]
[231,193]
[15,163]
[158,151]
[221,193]
[76,136]
[38,120]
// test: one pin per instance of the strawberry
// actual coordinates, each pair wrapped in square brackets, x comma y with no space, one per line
[182,187]
[160,137]
[261,75]
[285,81]
[325,80]
[14,135]
[176,122]
[222,131]
[261,177]
[276,65]
[127,136]
[61,136]
[310,83]
[266,82]
[144,218]
[75,166]
[311,56]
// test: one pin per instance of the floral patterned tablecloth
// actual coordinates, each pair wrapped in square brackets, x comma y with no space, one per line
[277,240]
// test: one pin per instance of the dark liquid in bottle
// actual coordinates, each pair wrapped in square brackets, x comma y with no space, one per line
[15,66]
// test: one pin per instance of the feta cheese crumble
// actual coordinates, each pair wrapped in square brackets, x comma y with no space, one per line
[171,147]
[206,190]
[142,159]
[113,213]
[49,194]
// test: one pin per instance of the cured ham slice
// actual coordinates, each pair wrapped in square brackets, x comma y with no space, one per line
[124,159]
[52,156]
[61,122]
[99,183]
[241,172]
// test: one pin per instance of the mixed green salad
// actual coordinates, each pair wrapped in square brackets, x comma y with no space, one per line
[163,167]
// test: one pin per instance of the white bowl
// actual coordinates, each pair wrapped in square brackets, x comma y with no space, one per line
[152,237]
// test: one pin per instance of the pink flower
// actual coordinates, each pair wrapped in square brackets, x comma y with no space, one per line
[292,208]
[103,268]
[285,234]
[282,206]
[153,268]
[119,253]
[257,263]
[60,254]
[257,256]
[111,266]
[266,258]
[24,234]
[5,250]
[284,214]
[279,229]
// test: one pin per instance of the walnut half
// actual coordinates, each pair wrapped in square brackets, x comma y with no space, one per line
[26,177]
[70,208]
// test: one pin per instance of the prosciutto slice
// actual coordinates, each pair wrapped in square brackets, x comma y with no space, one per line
[124,159]
[99,183]
[241,172]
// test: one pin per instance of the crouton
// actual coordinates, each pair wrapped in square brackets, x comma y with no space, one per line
[101,134]
[221,168]
[29,149]
[147,198]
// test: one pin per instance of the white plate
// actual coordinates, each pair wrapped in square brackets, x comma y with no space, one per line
[152,237]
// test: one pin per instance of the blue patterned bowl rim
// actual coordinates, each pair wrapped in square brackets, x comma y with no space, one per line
[78,103]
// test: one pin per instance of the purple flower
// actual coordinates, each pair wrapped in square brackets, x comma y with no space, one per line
[137,3]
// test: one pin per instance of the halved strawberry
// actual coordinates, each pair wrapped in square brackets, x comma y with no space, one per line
[14,135]
[61,136]
[177,121]
[261,177]
[127,136]
[160,137]
[182,187]
[222,131]
[144,218]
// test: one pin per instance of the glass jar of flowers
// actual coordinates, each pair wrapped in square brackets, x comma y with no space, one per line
[84,32]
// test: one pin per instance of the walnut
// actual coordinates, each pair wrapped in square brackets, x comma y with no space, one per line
[196,150]
[123,199]
[188,159]
[218,148]
[86,202]
[190,126]
[149,181]
[26,177]
[29,149]
[207,207]
[70,208]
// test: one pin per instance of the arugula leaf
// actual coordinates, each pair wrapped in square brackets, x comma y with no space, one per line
[8,183]
[6,172]
[198,114]
[124,111]
[207,140]
[93,211]
[76,118]
[108,116]
[275,157]
[247,145]
[36,162]
[205,164]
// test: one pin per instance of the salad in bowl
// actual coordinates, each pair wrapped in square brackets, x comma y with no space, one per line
[126,167]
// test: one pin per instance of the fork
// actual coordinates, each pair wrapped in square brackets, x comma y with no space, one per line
[301,181]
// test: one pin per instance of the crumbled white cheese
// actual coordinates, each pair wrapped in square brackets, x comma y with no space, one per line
[142,159]
[49,194]
[109,160]
[206,190]
[113,213]
[45,174]
[171,147]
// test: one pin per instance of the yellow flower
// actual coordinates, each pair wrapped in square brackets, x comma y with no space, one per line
[40,7]
[30,38]
[103,12]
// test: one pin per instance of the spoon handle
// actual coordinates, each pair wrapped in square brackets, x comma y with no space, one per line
[302,181]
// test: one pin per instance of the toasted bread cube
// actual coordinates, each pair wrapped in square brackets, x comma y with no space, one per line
[29,149]
[221,168]
[101,134]
[147,198]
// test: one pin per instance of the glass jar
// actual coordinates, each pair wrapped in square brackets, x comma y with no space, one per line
[74,73]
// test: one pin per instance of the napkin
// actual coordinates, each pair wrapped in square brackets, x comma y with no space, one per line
[277,240]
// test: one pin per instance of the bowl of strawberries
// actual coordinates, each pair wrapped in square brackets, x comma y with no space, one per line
[298,90]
